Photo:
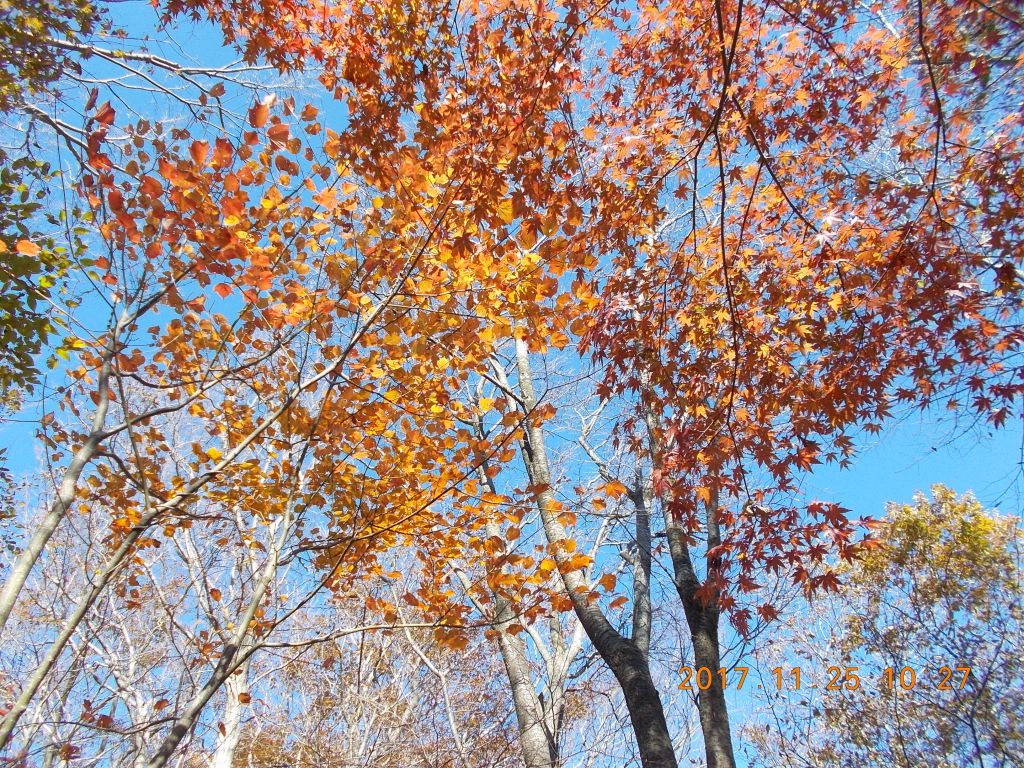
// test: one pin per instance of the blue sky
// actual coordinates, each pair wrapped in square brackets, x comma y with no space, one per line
[913,455]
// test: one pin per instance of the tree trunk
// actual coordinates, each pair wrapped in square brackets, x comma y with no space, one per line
[538,752]
[229,661]
[623,656]
[701,619]
[227,740]
[714,713]
[629,665]
[537,738]
[66,491]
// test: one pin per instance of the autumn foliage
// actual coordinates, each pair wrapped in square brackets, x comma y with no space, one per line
[767,228]
[784,221]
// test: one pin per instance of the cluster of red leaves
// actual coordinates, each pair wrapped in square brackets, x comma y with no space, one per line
[850,240]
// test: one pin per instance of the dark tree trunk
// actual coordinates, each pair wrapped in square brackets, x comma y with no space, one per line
[701,618]
[714,714]
[626,659]
[629,665]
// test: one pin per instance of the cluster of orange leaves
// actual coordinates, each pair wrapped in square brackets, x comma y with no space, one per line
[773,222]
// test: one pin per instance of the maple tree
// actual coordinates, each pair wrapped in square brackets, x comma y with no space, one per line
[768,224]
[851,242]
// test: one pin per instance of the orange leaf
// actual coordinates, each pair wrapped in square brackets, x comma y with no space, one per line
[199,150]
[222,153]
[26,248]
[615,489]
[258,115]
[104,114]
[278,133]
[150,186]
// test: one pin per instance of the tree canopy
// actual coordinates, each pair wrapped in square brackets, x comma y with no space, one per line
[501,321]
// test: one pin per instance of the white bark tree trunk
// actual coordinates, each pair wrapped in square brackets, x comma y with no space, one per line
[230,729]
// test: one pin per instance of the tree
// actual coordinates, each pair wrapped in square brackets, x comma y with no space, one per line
[520,570]
[939,595]
[30,63]
[768,224]
[831,261]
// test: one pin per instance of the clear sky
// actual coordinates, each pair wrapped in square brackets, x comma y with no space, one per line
[920,451]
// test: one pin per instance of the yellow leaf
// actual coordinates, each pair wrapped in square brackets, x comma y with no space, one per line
[578,562]
[504,211]
[615,489]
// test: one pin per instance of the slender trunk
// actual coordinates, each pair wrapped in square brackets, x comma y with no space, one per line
[229,661]
[128,545]
[227,739]
[533,739]
[442,679]
[642,567]
[701,619]
[68,487]
[626,660]
[714,714]
[187,720]
[557,662]
[538,743]
[71,624]
[66,492]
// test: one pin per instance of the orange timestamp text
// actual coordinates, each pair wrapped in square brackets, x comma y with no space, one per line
[946,678]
